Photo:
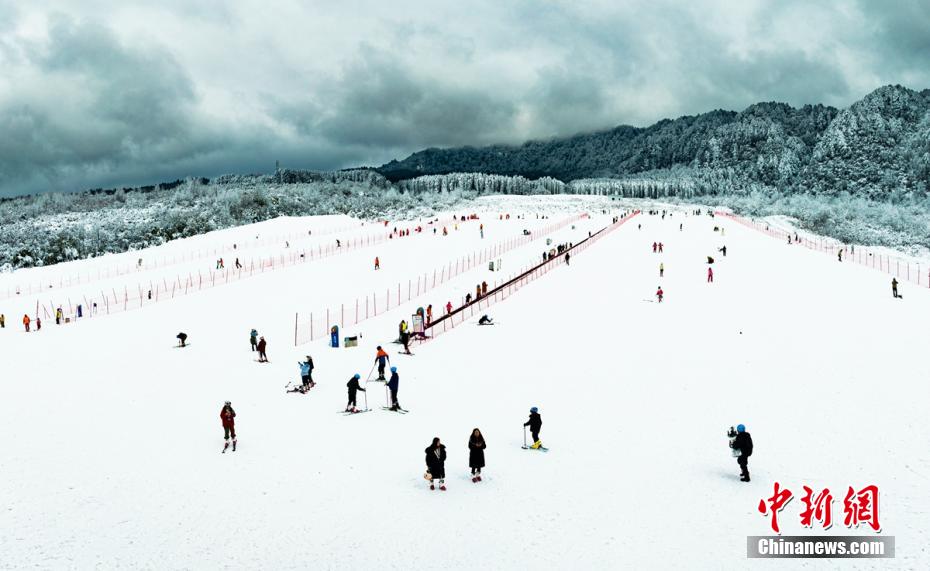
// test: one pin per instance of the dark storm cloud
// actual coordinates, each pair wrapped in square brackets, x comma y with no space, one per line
[100,93]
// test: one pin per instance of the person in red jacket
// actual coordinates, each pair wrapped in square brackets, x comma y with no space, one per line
[448,307]
[660,294]
[228,416]
[377,263]
[26,322]
[710,275]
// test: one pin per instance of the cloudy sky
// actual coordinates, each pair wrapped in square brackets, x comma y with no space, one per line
[106,93]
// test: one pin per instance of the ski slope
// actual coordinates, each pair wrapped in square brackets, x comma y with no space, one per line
[112,438]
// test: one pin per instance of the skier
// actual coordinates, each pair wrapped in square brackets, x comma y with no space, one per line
[58,315]
[182,339]
[26,322]
[353,387]
[436,464]
[654,247]
[394,385]
[262,344]
[743,443]
[723,250]
[535,424]
[660,294]
[405,341]
[710,275]
[253,339]
[228,416]
[661,269]
[894,287]
[476,446]
[377,263]
[381,357]
[306,373]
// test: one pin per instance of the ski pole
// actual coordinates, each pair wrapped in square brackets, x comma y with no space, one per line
[367,379]
[387,395]
[524,436]
[366,400]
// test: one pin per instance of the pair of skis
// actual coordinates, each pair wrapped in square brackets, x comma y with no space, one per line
[398,409]
[540,448]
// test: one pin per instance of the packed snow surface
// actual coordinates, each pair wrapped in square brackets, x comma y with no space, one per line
[111,453]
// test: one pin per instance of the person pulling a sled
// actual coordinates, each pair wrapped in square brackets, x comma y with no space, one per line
[436,464]
[743,443]
[228,417]
[535,424]
[353,387]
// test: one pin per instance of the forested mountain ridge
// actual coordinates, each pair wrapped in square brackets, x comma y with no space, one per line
[879,147]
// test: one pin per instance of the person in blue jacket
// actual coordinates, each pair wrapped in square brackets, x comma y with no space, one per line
[306,373]
[394,385]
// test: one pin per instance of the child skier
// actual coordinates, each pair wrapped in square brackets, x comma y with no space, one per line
[535,424]
[228,417]
[743,443]
[394,385]
[306,372]
[476,446]
[353,387]
[436,464]
[382,359]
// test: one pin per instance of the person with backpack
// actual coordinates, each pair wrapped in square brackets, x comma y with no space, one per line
[353,387]
[476,446]
[306,373]
[743,443]
[253,339]
[262,345]
[436,464]
[535,424]
[382,359]
[393,385]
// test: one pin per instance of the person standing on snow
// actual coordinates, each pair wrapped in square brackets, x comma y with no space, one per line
[182,339]
[710,275]
[306,372]
[448,307]
[38,323]
[655,247]
[429,314]
[661,246]
[394,385]
[743,443]
[26,322]
[253,339]
[535,424]
[894,287]
[661,269]
[476,446]
[353,387]
[436,464]
[484,288]
[228,417]
[2,321]
[377,263]
[262,345]
[381,357]
[660,294]
[567,256]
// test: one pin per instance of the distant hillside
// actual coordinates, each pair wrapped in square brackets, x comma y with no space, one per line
[877,148]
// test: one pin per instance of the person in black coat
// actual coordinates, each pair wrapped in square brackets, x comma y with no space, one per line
[476,446]
[394,385]
[535,424]
[353,387]
[436,464]
[743,443]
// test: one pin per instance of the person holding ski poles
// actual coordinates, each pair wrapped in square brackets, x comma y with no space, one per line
[535,424]
[394,385]
[353,387]
[228,417]
[436,464]
[306,373]
[382,359]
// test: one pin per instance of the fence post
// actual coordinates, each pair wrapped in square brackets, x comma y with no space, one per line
[295,329]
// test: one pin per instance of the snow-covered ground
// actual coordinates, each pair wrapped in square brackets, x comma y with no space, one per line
[112,437]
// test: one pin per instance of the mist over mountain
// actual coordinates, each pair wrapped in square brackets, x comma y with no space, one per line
[878,148]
